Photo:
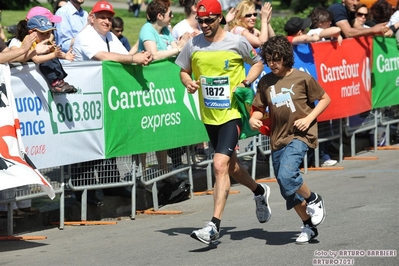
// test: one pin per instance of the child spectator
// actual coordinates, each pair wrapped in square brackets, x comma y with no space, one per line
[49,64]
[321,25]
[393,24]
[117,29]
[296,27]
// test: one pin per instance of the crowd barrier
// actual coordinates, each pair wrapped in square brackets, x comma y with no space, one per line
[122,111]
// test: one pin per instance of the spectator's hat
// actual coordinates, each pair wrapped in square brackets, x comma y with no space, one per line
[41,11]
[296,24]
[210,7]
[40,23]
[102,6]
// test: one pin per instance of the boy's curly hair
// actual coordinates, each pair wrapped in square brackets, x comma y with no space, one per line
[277,48]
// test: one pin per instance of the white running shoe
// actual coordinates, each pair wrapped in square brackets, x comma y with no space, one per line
[308,233]
[263,211]
[207,234]
[315,209]
[329,162]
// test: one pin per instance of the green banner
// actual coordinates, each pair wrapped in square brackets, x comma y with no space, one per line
[146,108]
[385,73]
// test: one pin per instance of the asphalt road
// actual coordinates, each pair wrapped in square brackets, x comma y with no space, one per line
[362,216]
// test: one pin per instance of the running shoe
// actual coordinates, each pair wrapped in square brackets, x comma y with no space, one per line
[263,211]
[207,234]
[315,209]
[308,233]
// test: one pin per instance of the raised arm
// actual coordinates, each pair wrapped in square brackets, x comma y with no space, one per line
[257,41]
[350,32]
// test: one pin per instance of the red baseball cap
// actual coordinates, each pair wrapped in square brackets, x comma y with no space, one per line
[210,7]
[103,6]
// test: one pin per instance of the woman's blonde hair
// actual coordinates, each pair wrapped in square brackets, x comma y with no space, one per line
[242,9]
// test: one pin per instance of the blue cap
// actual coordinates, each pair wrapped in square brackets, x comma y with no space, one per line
[40,23]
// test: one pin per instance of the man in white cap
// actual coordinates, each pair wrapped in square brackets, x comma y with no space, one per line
[97,42]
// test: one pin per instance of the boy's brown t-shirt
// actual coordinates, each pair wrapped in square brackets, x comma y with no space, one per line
[289,98]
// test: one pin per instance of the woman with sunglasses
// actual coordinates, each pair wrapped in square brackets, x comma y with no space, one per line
[155,36]
[362,14]
[245,20]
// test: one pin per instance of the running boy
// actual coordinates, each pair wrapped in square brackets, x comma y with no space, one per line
[290,95]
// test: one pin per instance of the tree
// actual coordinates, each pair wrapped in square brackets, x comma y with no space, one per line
[17,4]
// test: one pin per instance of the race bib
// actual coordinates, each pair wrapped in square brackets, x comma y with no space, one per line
[216,91]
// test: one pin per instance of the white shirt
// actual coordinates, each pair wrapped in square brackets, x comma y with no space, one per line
[394,18]
[182,27]
[89,42]
[15,42]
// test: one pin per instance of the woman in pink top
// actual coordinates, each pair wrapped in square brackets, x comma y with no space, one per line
[245,20]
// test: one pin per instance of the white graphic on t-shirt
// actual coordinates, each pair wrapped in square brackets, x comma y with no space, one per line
[283,98]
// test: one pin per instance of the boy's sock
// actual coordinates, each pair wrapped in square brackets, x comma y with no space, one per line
[259,190]
[308,222]
[216,221]
[311,198]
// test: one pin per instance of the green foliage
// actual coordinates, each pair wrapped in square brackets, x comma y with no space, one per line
[17,4]
[301,5]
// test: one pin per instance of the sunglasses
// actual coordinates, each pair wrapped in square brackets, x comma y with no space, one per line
[170,14]
[359,14]
[250,15]
[207,21]
[118,31]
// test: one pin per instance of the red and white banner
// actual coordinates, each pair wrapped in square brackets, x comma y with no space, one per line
[15,168]
[345,74]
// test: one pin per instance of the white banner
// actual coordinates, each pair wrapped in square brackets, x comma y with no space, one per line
[15,168]
[60,129]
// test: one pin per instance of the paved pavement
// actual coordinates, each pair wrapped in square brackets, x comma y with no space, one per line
[362,216]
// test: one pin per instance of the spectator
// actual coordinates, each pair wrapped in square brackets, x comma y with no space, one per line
[117,29]
[189,24]
[245,20]
[321,25]
[296,29]
[258,4]
[393,25]
[74,18]
[343,13]
[362,15]
[156,39]
[135,6]
[49,64]
[380,12]
[58,4]
[97,42]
